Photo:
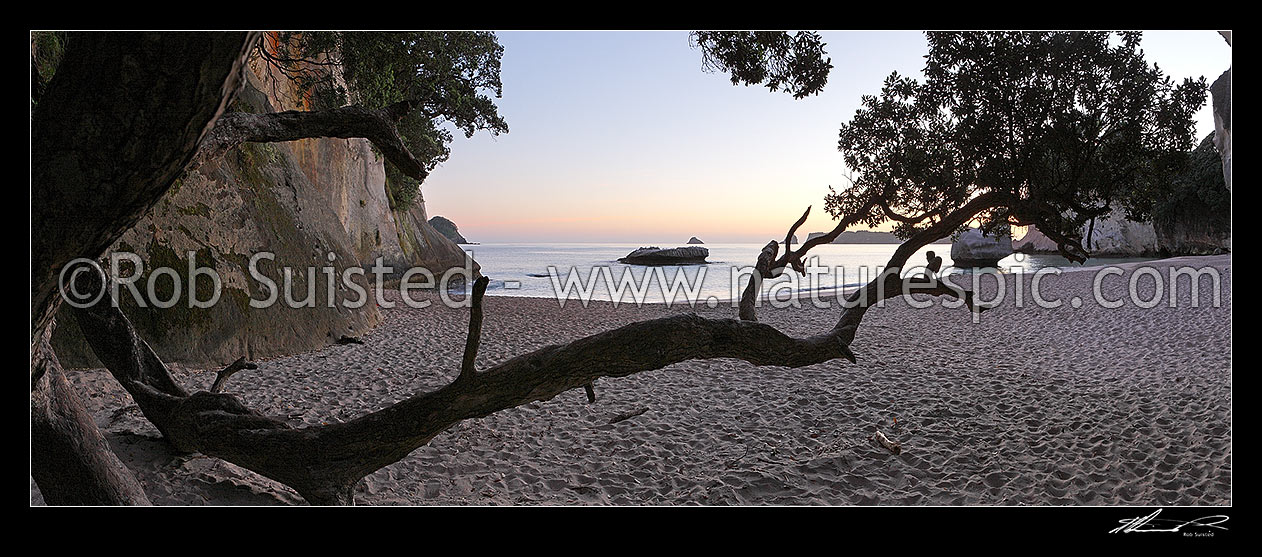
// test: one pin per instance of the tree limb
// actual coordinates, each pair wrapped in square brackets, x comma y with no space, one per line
[793,258]
[221,378]
[889,285]
[762,269]
[788,238]
[467,369]
[70,459]
[378,126]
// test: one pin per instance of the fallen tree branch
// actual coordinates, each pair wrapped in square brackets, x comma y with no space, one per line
[627,416]
[762,269]
[467,369]
[323,463]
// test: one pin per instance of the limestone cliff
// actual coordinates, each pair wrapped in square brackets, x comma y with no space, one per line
[1190,232]
[314,204]
[1221,93]
[1115,236]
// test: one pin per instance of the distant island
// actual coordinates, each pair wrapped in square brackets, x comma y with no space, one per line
[695,240]
[860,237]
[447,228]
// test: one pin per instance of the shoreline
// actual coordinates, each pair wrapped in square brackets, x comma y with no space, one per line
[1218,260]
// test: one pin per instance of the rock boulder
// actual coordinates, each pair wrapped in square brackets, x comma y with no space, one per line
[690,255]
[974,249]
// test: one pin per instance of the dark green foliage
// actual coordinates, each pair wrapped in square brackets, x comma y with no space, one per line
[1198,194]
[401,189]
[1066,125]
[47,49]
[794,62]
[451,75]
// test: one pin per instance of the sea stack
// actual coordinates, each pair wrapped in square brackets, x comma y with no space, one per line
[447,228]
[690,255]
[974,249]
[695,240]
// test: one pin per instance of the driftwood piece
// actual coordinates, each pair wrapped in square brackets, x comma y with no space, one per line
[628,415]
[885,442]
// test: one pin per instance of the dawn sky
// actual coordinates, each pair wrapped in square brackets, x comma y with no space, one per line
[622,137]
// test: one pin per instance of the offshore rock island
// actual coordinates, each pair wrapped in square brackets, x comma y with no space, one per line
[690,255]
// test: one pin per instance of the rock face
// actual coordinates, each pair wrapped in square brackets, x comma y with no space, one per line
[860,237]
[973,249]
[313,204]
[448,229]
[1115,236]
[694,240]
[670,256]
[1221,92]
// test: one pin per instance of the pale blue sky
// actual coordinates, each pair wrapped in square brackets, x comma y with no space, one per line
[621,137]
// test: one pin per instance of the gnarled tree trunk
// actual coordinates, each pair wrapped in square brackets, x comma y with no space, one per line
[113,130]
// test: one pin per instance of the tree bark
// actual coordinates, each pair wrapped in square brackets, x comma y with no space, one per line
[70,459]
[377,126]
[113,131]
[110,134]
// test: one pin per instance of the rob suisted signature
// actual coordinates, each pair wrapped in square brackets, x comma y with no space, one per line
[1151,523]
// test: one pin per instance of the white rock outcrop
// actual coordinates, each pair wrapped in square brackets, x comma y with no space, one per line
[1115,236]
[974,249]
[1221,92]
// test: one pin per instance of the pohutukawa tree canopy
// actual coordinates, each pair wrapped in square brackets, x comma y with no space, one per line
[1056,128]
[794,63]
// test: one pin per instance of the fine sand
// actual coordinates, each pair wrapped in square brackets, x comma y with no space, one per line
[1029,406]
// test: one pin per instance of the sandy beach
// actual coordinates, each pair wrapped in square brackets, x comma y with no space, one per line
[1029,406]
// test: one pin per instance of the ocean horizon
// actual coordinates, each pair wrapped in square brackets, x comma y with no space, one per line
[564,270]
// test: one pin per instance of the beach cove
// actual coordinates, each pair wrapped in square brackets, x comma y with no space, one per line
[1029,406]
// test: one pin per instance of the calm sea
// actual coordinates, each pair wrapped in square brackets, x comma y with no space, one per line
[545,270]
